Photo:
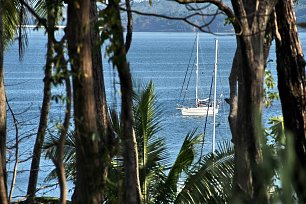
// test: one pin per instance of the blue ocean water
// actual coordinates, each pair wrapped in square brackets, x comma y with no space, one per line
[160,57]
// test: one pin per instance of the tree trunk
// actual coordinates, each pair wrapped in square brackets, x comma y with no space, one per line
[3,194]
[249,185]
[292,89]
[43,123]
[3,180]
[103,117]
[60,168]
[89,180]
[233,80]
[132,184]
[58,161]
[247,149]
[103,120]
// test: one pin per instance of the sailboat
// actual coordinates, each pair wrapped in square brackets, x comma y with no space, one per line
[203,107]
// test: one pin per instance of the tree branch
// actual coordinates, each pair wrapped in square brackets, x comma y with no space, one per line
[16,150]
[129,26]
[221,6]
[184,19]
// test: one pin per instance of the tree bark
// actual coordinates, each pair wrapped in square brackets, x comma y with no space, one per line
[89,180]
[249,185]
[233,81]
[292,89]
[132,184]
[103,119]
[3,194]
[129,26]
[3,180]
[43,123]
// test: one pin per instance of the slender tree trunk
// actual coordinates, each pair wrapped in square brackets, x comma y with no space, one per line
[3,180]
[132,184]
[89,180]
[43,123]
[58,161]
[129,26]
[292,89]
[60,169]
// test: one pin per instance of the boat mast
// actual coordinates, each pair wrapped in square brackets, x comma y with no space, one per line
[215,94]
[197,69]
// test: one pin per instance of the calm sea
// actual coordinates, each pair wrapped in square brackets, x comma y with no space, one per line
[160,57]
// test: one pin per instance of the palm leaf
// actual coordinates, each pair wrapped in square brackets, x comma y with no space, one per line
[147,118]
[10,20]
[184,160]
[51,150]
[277,130]
[42,7]
[210,181]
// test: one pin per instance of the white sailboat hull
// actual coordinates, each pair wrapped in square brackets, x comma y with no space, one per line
[199,111]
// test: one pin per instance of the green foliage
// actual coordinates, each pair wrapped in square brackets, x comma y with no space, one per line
[168,189]
[279,161]
[269,95]
[210,180]
[10,20]
[151,149]
[109,20]
[228,21]
[277,130]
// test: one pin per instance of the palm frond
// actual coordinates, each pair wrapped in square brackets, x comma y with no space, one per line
[277,130]
[42,7]
[51,150]
[152,149]
[10,20]
[210,181]
[14,17]
[182,164]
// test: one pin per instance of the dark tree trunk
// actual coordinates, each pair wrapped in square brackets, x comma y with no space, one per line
[43,123]
[103,120]
[89,180]
[132,184]
[129,26]
[292,89]
[249,185]
[3,180]
[103,117]
[3,194]
[247,149]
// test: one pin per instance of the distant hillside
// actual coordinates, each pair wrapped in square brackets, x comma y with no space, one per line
[171,8]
